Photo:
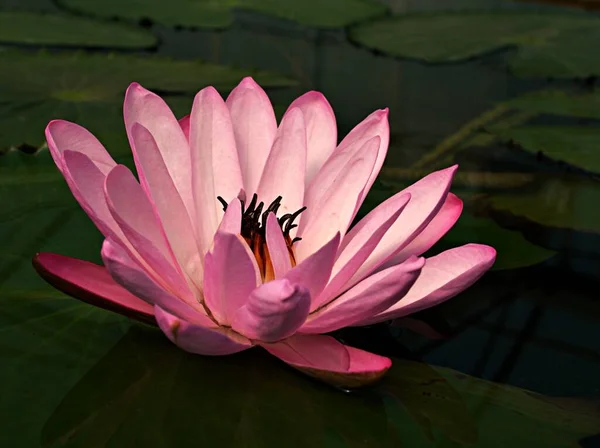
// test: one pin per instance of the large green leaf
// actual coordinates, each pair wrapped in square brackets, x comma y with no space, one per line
[576,145]
[89,89]
[548,44]
[563,202]
[513,250]
[217,14]
[56,30]
[557,102]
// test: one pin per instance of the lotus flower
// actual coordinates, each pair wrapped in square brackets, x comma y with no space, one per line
[237,233]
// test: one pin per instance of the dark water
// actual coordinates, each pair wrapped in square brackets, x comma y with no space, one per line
[513,361]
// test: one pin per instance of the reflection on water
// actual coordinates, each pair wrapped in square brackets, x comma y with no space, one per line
[519,114]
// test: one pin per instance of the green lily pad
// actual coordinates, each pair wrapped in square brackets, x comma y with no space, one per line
[58,30]
[556,102]
[89,90]
[547,44]
[513,250]
[219,14]
[576,145]
[566,202]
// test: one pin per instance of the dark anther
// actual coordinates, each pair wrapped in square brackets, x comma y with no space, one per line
[296,239]
[223,202]
[254,219]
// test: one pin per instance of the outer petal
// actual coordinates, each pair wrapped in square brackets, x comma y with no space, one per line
[278,250]
[325,358]
[375,125]
[167,202]
[358,245]
[65,136]
[273,311]
[437,228]
[92,284]
[129,275]
[215,165]
[133,212]
[198,339]
[427,197]
[443,277]
[230,275]
[321,130]
[254,126]
[285,168]
[339,206]
[87,184]
[148,109]
[370,297]
[314,272]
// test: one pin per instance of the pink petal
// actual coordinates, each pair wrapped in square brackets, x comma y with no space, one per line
[148,109]
[130,276]
[230,275]
[376,124]
[339,205]
[232,219]
[278,250]
[199,339]
[427,197]
[133,212]
[92,284]
[65,136]
[167,202]
[254,126]
[215,166]
[314,272]
[285,168]
[370,297]
[325,358]
[435,230]
[87,185]
[321,130]
[358,245]
[443,277]
[273,311]
[184,123]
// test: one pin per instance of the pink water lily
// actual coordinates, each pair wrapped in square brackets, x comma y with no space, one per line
[237,233]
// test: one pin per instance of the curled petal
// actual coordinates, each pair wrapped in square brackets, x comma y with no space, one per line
[273,311]
[92,284]
[325,358]
[442,277]
[198,339]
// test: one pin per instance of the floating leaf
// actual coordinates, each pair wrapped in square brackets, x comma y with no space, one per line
[548,44]
[89,90]
[58,30]
[576,145]
[560,202]
[513,250]
[556,102]
[218,14]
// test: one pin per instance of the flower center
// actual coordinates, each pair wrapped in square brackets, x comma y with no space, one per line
[254,223]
